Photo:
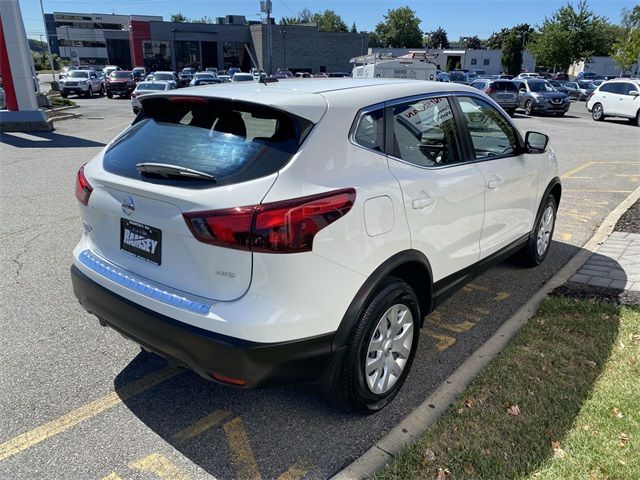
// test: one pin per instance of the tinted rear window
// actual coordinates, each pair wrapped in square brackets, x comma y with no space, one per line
[232,141]
[504,86]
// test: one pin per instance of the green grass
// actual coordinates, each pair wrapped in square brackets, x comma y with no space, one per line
[574,372]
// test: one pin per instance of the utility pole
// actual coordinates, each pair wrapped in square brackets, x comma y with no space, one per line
[265,7]
[44,21]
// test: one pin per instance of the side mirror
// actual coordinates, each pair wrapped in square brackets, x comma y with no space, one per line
[634,93]
[535,142]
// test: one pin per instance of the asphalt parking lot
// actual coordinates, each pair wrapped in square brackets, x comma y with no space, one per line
[81,402]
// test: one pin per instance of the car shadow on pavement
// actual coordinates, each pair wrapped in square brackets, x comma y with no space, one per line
[292,427]
[46,140]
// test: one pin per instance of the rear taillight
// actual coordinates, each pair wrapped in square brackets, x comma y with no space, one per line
[280,227]
[83,188]
[490,90]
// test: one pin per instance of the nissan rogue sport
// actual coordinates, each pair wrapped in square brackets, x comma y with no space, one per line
[300,231]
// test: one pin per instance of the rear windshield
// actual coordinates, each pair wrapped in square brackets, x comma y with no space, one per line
[233,141]
[151,86]
[504,86]
[121,75]
[79,74]
[163,76]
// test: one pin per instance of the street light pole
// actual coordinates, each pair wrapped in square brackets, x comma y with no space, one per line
[44,21]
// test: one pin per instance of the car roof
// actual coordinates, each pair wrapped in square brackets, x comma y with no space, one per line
[309,97]
[634,80]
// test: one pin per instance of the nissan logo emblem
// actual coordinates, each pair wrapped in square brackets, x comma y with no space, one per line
[128,207]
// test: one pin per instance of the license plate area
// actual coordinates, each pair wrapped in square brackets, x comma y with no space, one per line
[141,240]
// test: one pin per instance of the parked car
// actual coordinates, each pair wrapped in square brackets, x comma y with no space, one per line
[587,76]
[598,82]
[81,82]
[339,74]
[539,96]
[503,92]
[144,88]
[304,256]
[225,78]
[546,75]
[139,74]
[579,90]
[282,71]
[459,77]
[616,98]
[561,76]
[204,78]
[559,86]
[120,83]
[109,69]
[524,75]
[163,76]
[185,76]
[242,77]
[443,77]
[211,69]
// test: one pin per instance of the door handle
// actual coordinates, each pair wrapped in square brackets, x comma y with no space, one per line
[495,183]
[422,202]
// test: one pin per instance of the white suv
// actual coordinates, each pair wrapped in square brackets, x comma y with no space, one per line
[266,234]
[616,98]
[82,82]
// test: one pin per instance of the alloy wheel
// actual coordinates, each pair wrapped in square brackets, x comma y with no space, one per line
[544,231]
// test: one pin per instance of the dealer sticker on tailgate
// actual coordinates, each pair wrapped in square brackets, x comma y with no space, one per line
[141,240]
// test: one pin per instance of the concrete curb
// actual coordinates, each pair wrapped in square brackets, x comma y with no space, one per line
[410,429]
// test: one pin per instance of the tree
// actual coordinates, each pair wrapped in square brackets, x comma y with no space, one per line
[353,28]
[512,54]
[37,45]
[571,35]
[400,29]
[524,31]
[438,39]
[474,43]
[330,21]
[327,21]
[179,18]
[205,19]
[626,51]
[374,40]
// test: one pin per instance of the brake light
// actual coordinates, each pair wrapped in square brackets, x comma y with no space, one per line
[185,99]
[83,188]
[279,227]
[490,90]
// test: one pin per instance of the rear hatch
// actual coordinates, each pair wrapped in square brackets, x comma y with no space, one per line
[197,155]
[504,91]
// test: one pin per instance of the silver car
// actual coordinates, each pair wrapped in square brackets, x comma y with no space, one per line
[504,92]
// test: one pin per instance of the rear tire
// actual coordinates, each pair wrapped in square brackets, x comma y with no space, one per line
[511,112]
[109,95]
[381,349]
[597,112]
[64,94]
[534,253]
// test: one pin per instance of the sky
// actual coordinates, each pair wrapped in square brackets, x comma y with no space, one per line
[458,17]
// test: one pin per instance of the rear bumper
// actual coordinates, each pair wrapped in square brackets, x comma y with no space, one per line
[203,351]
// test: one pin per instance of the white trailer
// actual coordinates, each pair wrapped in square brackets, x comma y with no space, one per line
[414,66]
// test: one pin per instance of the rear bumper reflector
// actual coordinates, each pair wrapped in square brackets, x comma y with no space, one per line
[118,276]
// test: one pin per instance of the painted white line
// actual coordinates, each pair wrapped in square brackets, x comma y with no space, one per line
[410,429]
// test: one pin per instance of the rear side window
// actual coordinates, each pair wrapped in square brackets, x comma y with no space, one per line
[232,141]
[425,133]
[369,132]
[629,87]
[504,86]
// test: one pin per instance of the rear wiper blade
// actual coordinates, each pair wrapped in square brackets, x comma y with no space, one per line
[173,171]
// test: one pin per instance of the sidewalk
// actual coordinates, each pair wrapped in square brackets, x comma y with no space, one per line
[615,267]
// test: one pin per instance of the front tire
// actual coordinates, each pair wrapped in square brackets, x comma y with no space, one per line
[528,108]
[64,94]
[381,349]
[538,246]
[102,91]
[89,93]
[597,112]
[109,95]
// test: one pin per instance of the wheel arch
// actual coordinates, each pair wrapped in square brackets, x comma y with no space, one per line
[413,267]
[554,188]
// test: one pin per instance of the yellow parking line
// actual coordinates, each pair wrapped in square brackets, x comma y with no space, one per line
[482,311]
[201,425]
[564,236]
[454,327]
[160,466]
[475,286]
[577,169]
[501,296]
[442,341]
[241,453]
[91,409]
[599,191]
[294,472]
[112,476]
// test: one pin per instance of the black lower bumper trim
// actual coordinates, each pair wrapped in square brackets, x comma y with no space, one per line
[205,352]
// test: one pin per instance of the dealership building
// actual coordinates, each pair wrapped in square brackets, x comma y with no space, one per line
[232,41]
